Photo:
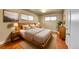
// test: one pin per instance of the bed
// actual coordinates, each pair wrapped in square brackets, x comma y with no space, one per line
[37,36]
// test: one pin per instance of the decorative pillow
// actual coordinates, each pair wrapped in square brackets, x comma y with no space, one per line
[26,27]
[32,25]
[37,25]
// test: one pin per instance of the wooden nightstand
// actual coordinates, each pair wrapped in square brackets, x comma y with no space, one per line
[14,36]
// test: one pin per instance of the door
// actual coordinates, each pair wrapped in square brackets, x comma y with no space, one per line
[75,28]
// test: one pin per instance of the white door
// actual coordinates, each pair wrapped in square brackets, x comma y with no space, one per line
[75,28]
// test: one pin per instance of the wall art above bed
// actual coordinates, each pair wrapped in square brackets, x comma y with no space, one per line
[9,16]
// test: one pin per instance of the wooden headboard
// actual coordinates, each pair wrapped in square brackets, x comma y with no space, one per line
[20,24]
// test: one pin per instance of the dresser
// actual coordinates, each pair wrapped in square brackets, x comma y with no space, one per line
[14,36]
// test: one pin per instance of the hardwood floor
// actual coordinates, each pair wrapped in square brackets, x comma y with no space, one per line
[12,45]
[55,43]
[18,44]
[59,43]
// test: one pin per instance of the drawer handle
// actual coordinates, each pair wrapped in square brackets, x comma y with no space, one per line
[67,33]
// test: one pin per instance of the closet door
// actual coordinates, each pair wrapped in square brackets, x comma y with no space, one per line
[75,28]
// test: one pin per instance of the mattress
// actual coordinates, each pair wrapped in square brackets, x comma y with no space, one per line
[26,34]
[34,30]
[42,36]
[38,35]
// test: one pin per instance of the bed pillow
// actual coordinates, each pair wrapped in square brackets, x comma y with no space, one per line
[25,27]
[33,25]
[37,25]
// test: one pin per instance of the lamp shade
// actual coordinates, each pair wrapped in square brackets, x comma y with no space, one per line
[15,24]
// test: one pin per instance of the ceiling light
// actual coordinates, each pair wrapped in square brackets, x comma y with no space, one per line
[43,10]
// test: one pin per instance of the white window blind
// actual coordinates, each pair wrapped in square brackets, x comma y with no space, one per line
[26,17]
[30,17]
[50,18]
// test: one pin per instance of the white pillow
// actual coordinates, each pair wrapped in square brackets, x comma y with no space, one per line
[32,25]
[26,27]
[38,25]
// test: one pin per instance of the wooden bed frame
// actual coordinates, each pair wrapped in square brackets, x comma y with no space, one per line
[37,44]
[33,41]
[20,24]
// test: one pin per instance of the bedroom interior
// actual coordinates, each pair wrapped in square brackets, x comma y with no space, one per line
[33,29]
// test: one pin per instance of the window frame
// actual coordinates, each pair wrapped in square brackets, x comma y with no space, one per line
[50,18]
[24,15]
[28,17]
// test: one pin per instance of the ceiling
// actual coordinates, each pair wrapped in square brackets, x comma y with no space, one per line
[38,11]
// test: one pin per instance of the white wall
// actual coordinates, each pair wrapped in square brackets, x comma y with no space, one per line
[4,31]
[68,27]
[51,25]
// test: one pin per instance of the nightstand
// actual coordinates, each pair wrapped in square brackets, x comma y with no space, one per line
[14,36]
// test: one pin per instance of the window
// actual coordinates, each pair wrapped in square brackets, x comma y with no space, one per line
[47,18]
[30,17]
[50,18]
[53,18]
[26,17]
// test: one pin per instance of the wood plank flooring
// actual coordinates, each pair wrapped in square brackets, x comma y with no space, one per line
[55,43]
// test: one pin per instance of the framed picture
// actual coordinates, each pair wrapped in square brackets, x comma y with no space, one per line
[9,16]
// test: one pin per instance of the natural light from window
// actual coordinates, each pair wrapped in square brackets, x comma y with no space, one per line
[50,18]
[26,17]
[30,17]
